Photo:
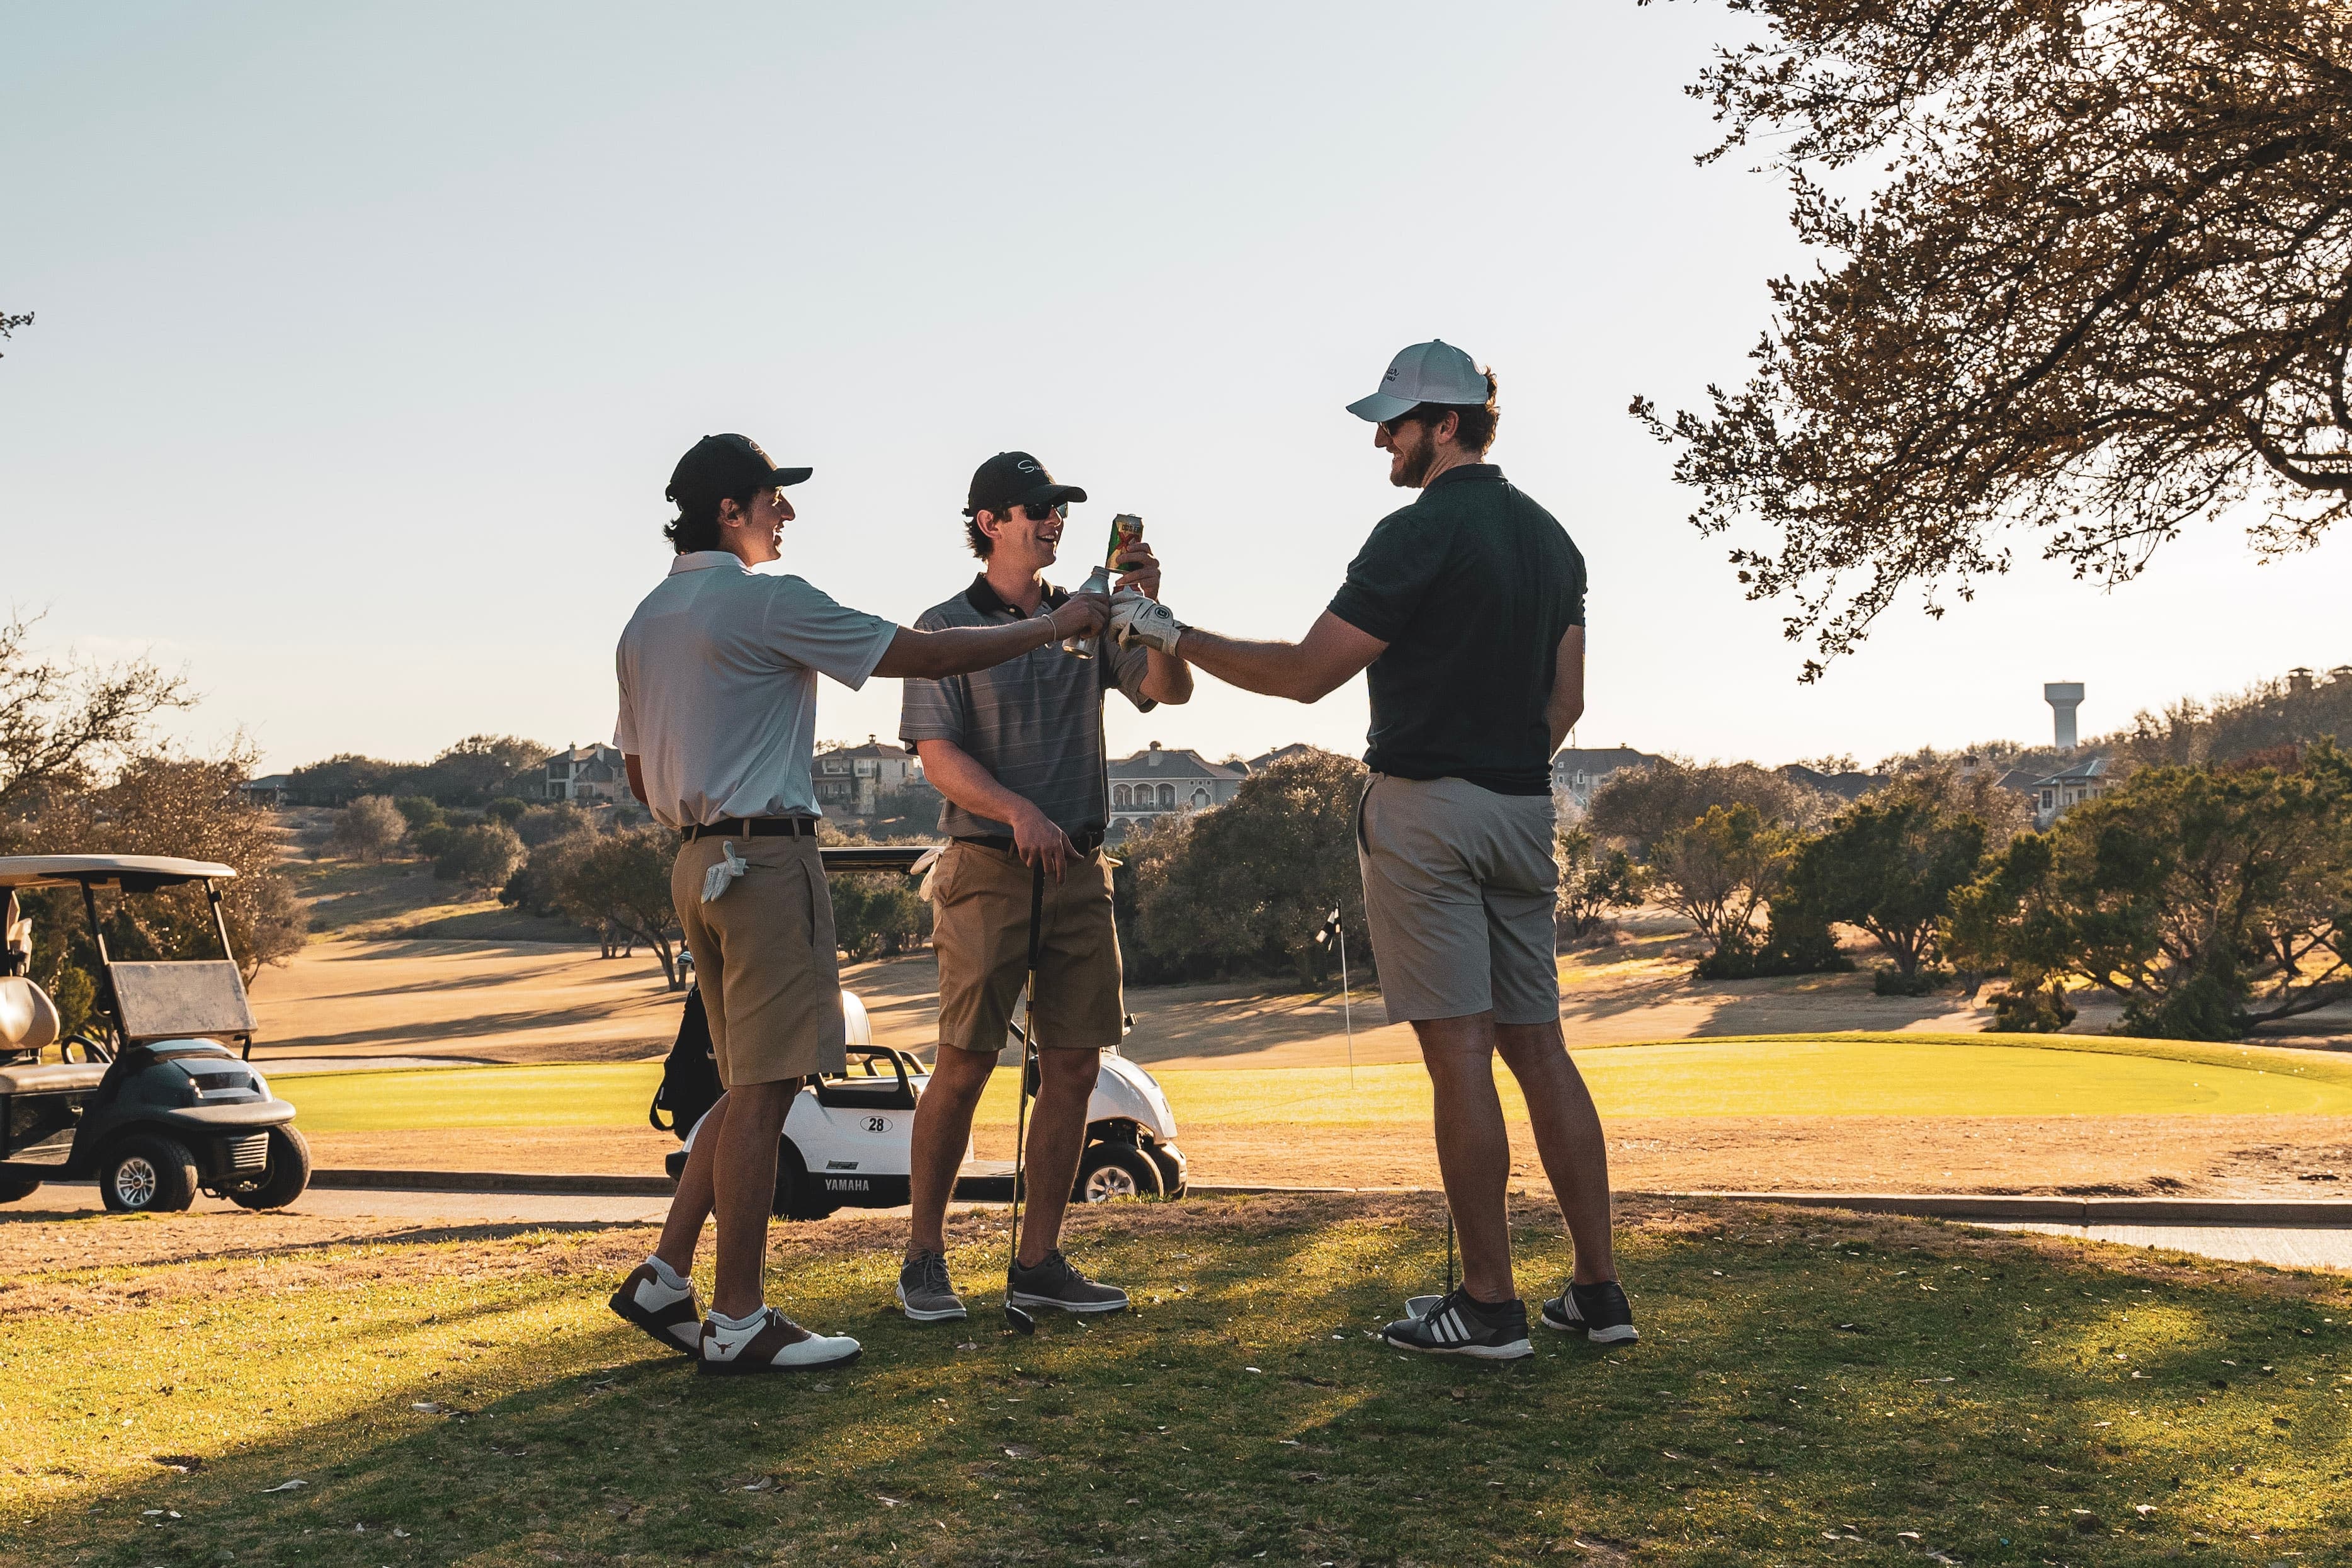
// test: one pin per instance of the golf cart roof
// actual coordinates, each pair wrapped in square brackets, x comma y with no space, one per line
[133,873]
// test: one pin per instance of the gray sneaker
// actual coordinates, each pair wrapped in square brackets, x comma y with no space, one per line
[1054,1283]
[925,1291]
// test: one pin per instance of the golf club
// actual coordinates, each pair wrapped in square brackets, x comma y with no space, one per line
[1421,1306]
[1020,1321]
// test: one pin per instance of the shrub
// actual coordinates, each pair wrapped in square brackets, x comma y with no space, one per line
[2040,1009]
[2209,901]
[419,811]
[1641,805]
[1592,881]
[1889,980]
[483,856]
[370,828]
[1720,870]
[432,842]
[508,809]
[1240,891]
[1889,864]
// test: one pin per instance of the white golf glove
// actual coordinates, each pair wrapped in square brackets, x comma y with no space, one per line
[1135,619]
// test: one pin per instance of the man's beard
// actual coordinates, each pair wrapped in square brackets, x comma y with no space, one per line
[1414,463]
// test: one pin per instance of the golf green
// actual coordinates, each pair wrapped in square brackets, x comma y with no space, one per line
[1795,1074]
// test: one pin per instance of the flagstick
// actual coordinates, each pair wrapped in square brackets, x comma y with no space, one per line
[1348,1008]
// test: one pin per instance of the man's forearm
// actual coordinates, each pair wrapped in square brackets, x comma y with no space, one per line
[1272,668]
[1167,679]
[957,774]
[960,650]
[1563,720]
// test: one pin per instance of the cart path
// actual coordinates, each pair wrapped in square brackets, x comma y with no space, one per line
[2281,1246]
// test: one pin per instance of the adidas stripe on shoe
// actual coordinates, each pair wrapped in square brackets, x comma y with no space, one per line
[1462,1325]
[1599,1312]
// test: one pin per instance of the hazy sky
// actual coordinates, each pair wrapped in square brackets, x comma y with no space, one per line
[367,338]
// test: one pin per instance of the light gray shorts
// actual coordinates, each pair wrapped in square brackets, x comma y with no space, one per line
[1460,889]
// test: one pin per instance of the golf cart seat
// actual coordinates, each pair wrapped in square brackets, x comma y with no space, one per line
[167,1000]
[28,1019]
[58,1077]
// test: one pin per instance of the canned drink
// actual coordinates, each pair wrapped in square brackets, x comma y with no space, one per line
[1125,528]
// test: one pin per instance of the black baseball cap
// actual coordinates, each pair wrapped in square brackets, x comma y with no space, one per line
[1015,478]
[719,465]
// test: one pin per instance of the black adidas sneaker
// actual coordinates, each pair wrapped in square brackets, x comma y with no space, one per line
[1599,1312]
[1460,1324]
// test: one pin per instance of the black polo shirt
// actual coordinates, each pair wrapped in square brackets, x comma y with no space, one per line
[1471,586]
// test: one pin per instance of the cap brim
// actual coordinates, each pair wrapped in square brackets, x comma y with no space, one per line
[1379,407]
[789,476]
[1048,494]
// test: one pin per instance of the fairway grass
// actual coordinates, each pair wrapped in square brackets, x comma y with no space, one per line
[1798,1075]
[1809,1387]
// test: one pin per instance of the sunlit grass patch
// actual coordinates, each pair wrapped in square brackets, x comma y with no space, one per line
[1807,1386]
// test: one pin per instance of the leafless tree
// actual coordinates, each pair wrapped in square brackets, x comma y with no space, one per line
[63,723]
[2099,290]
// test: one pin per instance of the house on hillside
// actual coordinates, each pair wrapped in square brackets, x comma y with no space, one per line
[585,774]
[852,779]
[1156,782]
[271,789]
[1848,785]
[1258,763]
[2052,797]
[1577,772]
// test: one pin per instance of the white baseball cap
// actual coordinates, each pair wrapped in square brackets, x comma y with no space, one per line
[1432,372]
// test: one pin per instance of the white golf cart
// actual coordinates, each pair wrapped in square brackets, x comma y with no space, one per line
[847,1137]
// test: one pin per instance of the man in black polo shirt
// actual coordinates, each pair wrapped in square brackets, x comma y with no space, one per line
[1468,608]
[1017,752]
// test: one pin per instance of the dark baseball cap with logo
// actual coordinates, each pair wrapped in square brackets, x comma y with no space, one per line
[724,466]
[1015,478]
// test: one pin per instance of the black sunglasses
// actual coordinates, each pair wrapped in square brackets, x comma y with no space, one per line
[1060,510]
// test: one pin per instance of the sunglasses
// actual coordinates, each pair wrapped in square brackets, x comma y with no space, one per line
[1060,510]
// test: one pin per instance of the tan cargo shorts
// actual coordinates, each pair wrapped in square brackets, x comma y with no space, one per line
[981,932]
[763,954]
[1460,889]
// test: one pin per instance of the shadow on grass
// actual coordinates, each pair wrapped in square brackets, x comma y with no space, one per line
[1808,1385]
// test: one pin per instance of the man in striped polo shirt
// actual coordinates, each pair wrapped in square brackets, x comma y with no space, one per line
[1017,750]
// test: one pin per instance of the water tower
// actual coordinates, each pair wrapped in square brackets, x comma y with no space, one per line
[2064,697]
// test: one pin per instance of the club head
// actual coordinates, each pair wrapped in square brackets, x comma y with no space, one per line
[1022,1323]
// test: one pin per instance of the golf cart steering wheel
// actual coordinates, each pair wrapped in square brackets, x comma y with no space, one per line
[93,1053]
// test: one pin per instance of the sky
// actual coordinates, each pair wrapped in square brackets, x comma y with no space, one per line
[366,339]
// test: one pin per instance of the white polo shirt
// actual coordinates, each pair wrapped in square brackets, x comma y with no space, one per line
[718,670]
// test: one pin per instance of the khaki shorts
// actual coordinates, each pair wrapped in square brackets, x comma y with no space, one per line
[763,954]
[1460,889]
[981,931]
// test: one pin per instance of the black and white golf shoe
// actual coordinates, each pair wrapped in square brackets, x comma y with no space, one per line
[1599,1312]
[1460,1324]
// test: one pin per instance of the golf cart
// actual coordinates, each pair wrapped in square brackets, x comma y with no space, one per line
[847,1136]
[157,1106]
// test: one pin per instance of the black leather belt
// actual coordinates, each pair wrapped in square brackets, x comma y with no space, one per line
[754,827]
[1088,843]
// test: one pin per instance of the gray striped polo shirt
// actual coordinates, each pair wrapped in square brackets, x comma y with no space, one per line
[1035,723]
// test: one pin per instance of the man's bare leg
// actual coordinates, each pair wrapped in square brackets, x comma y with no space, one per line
[682,1231]
[1057,1134]
[1474,1152]
[1569,1137]
[942,1133]
[743,1179]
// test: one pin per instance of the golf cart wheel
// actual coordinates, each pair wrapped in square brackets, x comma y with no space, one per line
[12,1188]
[798,1196]
[1116,1171]
[287,1175]
[148,1173]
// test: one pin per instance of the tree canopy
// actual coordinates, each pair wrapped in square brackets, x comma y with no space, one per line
[2096,288]
[65,723]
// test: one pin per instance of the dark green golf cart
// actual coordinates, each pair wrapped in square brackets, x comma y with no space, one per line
[147,1097]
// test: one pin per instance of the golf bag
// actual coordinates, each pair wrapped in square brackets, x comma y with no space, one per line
[689,1084]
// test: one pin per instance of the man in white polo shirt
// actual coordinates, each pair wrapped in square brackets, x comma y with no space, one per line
[717,721]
